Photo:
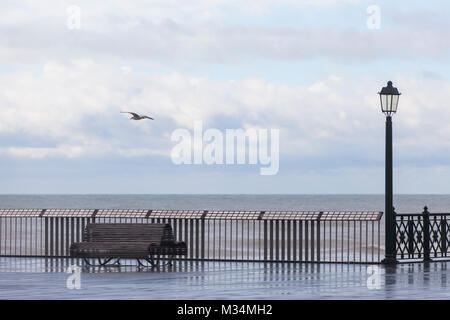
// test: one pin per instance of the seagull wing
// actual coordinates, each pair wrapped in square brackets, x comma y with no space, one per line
[132,113]
[146,117]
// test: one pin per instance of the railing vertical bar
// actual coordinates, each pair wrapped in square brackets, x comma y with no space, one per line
[318,241]
[237,222]
[265,240]
[47,231]
[367,241]
[191,238]
[38,235]
[300,239]
[56,236]
[42,244]
[29,236]
[348,241]
[72,229]
[186,236]
[289,257]
[33,231]
[77,229]
[225,245]
[220,239]
[20,236]
[5,235]
[231,239]
[282,240]
[330,246]
[173,223]
[248,239]
[202,255]
[312,241]
[214,239]
[443,226]
[180,235]
[271,240]
[254,240]
[354,240]
[1,236]
[306,241]
[11,236]
[294,240]
[25,236]
[62,237]
[197,239]
[180,230]
[342,241]
[360,241]
[15,235]
[379,243]
[67,220]
[336,242]
[325,241]
[373,243]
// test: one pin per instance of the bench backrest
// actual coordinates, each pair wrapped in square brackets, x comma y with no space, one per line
[156,233]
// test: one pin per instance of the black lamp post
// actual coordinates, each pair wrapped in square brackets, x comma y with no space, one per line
[389,101]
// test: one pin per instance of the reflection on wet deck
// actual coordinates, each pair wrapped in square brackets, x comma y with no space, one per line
[36,278]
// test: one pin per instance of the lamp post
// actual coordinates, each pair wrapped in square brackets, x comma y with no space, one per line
[389,96]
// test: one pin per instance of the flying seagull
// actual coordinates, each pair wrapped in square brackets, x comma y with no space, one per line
[135,116]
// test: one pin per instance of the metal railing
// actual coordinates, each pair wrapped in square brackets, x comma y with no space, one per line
[269,236]
[422,236]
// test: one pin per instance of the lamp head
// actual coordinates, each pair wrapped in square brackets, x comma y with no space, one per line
[389,97]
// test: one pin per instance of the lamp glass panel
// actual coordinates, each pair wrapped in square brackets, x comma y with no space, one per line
[384,102]
[395,102]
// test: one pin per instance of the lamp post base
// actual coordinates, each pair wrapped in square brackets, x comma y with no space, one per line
[389,260]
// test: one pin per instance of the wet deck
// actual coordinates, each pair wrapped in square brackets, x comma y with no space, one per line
[35,278]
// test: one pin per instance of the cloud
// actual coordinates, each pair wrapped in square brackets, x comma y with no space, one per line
[75,107]
[176,31]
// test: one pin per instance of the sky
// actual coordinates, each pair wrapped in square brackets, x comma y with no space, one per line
[308,68]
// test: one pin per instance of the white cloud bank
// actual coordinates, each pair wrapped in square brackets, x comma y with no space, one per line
[198,31]
[74,107]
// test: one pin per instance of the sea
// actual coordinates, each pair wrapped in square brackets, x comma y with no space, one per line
[403,203]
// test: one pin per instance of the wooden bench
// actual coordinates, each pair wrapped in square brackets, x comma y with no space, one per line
[146,243]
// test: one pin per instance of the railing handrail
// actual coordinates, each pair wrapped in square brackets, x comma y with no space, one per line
[421,214]
[198,214]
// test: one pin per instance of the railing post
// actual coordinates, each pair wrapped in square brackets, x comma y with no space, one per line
[444,235]
[318,235]
[410,238]
[426,234]
[202,235]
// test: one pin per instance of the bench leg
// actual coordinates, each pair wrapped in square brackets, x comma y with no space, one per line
[103,262]
[169,263]
[155,261]
[151,263]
